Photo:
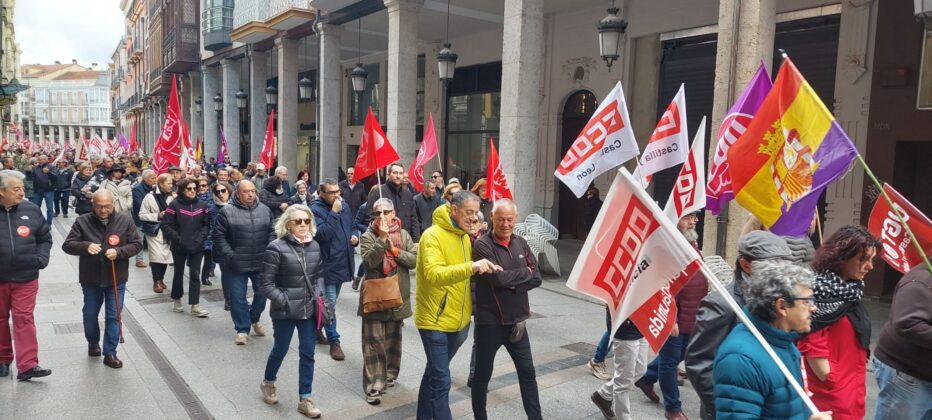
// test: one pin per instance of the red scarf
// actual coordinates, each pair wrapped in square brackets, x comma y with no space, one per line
[394,236]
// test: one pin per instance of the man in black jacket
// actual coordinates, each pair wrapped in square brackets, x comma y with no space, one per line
[142,188]
[353,192]
[25,243]
[104,240]
[43,176]
[502,308]
[402,199]
[425,203]
[242,231]
[63,173]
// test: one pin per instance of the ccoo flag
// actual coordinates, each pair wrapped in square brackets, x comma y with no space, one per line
[791,151]
[631,254]
[718,192]
[668,143]
[688,195]
[604,143]
[897,249]
[495,176]
[374,149]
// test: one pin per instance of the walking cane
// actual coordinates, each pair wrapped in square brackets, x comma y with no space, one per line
[116,300]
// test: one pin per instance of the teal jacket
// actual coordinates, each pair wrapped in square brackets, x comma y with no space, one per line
[748,384]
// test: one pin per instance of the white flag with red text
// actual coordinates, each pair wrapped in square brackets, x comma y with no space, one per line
[632,253]
[688,193]
[668,143]
[605,142]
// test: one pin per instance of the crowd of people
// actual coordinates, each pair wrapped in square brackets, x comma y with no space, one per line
[295,241]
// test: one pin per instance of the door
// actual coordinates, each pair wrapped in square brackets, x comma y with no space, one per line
[571,222]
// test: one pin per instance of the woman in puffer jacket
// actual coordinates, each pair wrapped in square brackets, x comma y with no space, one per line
[292,282]
[185,227]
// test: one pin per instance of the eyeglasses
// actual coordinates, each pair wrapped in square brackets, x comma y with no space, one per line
[383,212]
[191,189]
[302,221]
[436,176]
[809,300]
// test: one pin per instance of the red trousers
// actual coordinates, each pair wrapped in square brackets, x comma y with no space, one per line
[19,301]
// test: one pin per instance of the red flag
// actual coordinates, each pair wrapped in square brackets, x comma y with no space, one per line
[497,185]
[133,143]
[635,260]
[268,147]
[374,149]
[168,147]
[898,250]
[427,151]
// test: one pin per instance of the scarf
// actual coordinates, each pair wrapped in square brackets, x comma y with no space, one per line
[160,199]
[303,240]
[394,235]
[834,298]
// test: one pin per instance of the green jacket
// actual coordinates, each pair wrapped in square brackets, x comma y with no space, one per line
[372,249]
[444,267]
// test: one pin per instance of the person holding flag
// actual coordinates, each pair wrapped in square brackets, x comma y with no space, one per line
[394,190]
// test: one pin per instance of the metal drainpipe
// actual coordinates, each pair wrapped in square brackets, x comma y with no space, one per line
[721,232]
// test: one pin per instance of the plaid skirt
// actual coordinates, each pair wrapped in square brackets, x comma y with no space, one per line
[381,350]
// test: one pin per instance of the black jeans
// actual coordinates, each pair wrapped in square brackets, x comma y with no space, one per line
[194,271]
[158,271]
[208,265]
[488,339]
[61,201]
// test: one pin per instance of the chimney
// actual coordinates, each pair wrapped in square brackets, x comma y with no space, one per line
[94,67]
[57,62]
[73,61]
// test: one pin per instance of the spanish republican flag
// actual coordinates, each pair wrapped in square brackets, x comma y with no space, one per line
[790,152]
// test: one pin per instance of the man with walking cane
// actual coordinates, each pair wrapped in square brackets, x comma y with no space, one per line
[104,240]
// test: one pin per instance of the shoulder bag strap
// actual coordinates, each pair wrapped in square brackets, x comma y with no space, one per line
[303,259]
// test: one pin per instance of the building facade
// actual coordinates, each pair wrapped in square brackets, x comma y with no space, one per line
[11,111]
[66,101]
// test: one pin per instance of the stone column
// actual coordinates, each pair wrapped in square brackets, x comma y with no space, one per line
[287,113]
[522,53]
[210,85]
[230,71]
[258,75]
[329,93]
[197,121]
[754,36]
[401,91]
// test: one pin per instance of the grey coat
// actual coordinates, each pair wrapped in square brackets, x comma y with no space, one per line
[282,280]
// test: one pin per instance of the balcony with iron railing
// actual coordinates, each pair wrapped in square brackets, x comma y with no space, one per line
[181,50]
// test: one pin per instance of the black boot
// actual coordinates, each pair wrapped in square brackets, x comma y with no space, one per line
[36,372]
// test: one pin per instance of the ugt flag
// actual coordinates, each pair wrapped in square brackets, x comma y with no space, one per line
[791,151]
[427,151]
[497,185]
[169,146]
[688,195]
[898,249]
[632,253]
[604,143]
[668,143]
[374,149]
[718,192]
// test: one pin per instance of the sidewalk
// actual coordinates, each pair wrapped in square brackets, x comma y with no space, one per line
[177,366]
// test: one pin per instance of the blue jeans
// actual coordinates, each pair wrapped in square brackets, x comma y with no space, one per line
[332,292]
[602,349]
[663,369]
[433,398]
[61,202]
[901,396]
[307,335]
[94,298]
[49,197]
[243,314]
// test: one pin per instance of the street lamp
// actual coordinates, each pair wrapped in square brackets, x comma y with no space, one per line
[446,59]
[305,89]
[241,99]
[198,105]
[611,28]
[359,74]
[218,103]
[271,96]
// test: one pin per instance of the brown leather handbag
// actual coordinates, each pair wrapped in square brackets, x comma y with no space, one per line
[381,294]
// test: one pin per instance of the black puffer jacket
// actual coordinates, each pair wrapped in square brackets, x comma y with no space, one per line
[186,224]
[283,282]
[241,234]
[25,243]
[81,203]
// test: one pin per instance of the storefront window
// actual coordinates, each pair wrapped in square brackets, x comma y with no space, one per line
[472,120]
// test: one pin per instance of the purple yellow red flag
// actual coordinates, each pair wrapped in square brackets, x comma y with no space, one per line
[791,151]
[718,191]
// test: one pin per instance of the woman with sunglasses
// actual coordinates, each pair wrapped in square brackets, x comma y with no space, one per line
[221,193]
[185,226]
[292,282]
[205,196]
[387,250]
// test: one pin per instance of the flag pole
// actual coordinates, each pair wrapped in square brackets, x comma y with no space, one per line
[760,338]
[818,221]
[899,216]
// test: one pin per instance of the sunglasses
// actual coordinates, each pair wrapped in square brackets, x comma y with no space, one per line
[301,221]
[221,191]
[191,189]
[203,185]
[436,176]
[383,212]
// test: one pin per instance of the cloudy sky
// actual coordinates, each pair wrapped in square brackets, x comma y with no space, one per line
[62,30]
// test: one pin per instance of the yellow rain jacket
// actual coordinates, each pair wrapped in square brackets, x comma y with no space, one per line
[444,266]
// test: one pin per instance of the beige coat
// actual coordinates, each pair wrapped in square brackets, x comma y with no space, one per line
[159,250]
[122,194]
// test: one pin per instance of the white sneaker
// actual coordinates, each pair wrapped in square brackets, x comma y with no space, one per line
[598,370]
[307,407]
[198,312]
[241,339]
[178,307]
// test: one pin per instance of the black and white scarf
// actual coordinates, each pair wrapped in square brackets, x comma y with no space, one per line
[836,297]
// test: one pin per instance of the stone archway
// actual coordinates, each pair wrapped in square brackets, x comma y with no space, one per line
[577,110]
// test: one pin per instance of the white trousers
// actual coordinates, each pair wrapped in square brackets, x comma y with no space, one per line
[630,364]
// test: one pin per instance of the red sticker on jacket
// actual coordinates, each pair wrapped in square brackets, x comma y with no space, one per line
[113,240]
[22,231]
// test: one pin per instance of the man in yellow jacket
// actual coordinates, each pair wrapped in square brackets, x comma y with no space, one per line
[443,304]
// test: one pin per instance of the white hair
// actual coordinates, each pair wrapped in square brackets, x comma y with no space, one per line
[502,203]
[280,170]
[281,225]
